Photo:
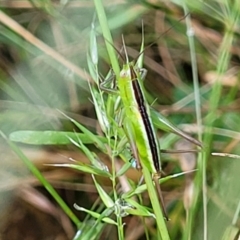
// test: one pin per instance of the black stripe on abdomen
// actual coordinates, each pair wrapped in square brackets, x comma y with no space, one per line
[147,124]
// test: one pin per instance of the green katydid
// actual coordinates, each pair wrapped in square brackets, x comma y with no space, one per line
[139,125]
[140,119]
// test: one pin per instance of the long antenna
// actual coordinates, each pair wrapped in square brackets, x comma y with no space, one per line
[161,35]
[119,53]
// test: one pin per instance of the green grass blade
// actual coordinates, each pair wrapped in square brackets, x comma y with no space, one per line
[44,182]
[161,223]
[51,137]
[107,36]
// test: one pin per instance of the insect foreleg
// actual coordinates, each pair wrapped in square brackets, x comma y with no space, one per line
[109,84]
[132,141]
[143,73]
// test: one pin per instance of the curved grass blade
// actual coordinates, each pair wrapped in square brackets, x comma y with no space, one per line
[53,137]
[84,168]
[43,180]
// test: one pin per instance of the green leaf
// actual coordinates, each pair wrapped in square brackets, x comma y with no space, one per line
[142,188]
[88,133]
[92,157]
[231,233]
[51,137]
[124,168]
[96,215]
[29,164]
[92,69]
[84,167]
[103,195]
[100,109]
[138,209]
[93,46]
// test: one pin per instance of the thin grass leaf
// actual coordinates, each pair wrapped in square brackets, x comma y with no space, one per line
[161,224]
[137,209]
[140,59]
[36,42]
[142,188]
[11,92]
[92,157]
[231,233]
[43,180]
[84,168]
[92,69]
[107,36]
[228,155]
[124,168]
[96,215]
[103,195]
[93,46]
[91,231]
[100,109]
[97,226]
[52,137]
[92,136]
